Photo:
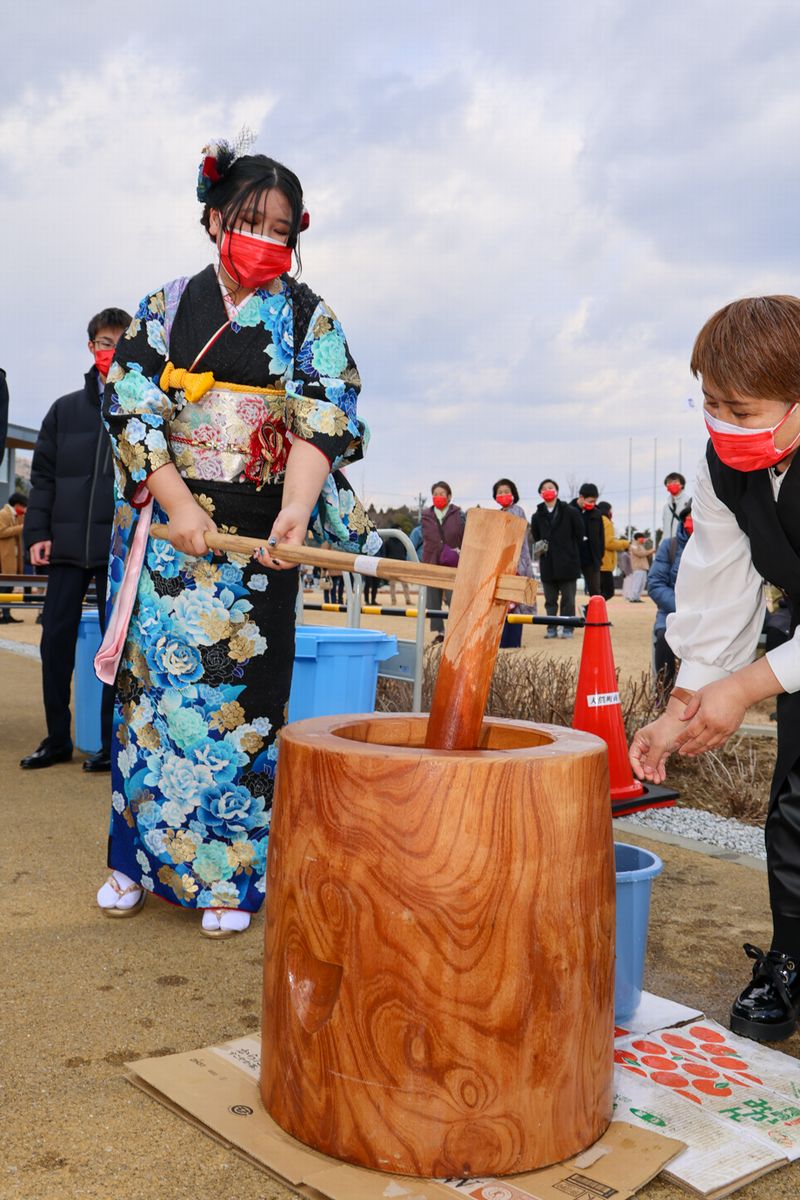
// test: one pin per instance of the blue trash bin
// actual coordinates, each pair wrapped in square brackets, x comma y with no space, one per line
[87,688]
[636,869]
[336,670]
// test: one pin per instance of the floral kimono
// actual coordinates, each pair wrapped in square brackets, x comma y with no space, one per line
[204,678]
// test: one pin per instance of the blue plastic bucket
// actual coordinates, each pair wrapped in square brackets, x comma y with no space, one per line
[636,869]
[336,670]
[87,688]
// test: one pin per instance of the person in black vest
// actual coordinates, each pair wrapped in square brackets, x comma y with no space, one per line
[746,516]
[559,526]
[68,531]
[593,542]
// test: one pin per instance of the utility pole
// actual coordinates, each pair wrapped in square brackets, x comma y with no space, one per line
[630,485]
[655,484]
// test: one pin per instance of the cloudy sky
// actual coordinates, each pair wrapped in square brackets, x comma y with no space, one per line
[522,212]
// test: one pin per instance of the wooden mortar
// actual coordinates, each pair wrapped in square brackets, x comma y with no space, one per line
[439,974]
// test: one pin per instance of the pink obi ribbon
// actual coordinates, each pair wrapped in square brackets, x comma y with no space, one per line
[106,661]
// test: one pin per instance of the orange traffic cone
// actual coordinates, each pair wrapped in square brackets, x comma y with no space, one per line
[598,710]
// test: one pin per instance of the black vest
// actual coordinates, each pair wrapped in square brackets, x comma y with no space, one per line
[774,533]
[773,528]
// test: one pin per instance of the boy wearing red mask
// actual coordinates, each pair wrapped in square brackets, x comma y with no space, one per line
[746,518]
[68,532]
[593,543]
[676,502]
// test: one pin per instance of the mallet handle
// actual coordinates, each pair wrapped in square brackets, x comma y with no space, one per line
[515,589]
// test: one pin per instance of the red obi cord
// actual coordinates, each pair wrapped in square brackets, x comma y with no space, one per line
[269,450]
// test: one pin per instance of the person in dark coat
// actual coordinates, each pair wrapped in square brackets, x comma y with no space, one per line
[593,542]
[442,533]
[68,531]
[559,526]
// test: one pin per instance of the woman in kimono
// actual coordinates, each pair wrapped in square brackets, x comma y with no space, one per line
[231,400]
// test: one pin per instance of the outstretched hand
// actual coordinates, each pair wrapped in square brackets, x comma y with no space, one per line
[652,746]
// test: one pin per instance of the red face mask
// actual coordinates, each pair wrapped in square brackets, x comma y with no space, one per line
[748,449]
[688,525]
[504,501]
[103,360]
[548,495]
[589,505]
[674,488]
[19,509]
[252,260]
[440,502]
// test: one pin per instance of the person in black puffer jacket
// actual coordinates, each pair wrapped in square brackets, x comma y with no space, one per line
[68,530]
[593,544]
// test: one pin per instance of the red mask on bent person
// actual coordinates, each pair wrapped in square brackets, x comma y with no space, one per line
[589,505]
[688,525]
[748,449]
[252,260]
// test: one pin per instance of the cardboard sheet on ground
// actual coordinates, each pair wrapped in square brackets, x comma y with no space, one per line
[217,1089]
[732,1117]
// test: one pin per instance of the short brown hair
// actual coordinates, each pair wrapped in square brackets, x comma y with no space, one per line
[752,348]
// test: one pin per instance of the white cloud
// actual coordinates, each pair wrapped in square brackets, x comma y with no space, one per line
[522,222]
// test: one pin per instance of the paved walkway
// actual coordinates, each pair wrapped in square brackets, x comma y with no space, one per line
[81,994]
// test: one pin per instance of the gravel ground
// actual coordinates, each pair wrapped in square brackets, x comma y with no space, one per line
[706,827]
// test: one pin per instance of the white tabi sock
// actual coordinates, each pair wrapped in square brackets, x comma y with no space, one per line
[108,897]
[234,918]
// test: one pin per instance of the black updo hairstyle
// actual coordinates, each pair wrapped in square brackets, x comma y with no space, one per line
[248,178]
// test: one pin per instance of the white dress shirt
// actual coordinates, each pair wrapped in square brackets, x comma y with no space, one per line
[719,598]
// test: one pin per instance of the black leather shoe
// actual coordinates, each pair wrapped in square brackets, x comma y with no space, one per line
[46,756]
[769,1007]
[101,761]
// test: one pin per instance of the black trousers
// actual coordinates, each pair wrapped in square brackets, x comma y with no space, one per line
[436,599]
[591,577]
[607,585]
[61,615]
[371,584]
[551,589]
[782,830]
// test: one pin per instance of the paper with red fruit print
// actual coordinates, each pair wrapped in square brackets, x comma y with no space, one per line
[717,1161]
[735,1103]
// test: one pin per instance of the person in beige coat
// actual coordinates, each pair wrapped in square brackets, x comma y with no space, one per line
[11,519]
[641,558]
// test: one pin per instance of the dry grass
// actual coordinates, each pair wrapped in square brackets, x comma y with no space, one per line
[731,782]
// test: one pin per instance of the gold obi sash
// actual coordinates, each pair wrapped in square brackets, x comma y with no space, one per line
[228,432]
